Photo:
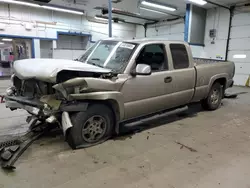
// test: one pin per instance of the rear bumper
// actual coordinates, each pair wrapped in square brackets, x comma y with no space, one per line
[230,83]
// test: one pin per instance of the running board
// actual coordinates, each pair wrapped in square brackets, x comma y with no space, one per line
[159,115]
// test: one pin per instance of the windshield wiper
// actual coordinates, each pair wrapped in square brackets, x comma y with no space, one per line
[95,64]
[96,59]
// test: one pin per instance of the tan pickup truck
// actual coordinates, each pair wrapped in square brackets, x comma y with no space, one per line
[113,83]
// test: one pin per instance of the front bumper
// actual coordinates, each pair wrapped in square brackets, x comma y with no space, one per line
[42,111]
[34,107]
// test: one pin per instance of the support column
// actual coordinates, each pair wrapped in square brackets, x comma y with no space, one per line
[36,51]
[110,18]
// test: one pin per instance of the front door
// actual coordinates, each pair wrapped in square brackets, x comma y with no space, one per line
[144,95]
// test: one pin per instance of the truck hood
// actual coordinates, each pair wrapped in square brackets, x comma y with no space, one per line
[47,69]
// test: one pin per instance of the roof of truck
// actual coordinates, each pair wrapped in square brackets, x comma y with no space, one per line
[146,40]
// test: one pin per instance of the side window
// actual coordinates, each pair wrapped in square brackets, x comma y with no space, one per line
[153,55]
[180,56]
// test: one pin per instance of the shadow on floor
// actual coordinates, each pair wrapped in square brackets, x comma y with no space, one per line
[126,132]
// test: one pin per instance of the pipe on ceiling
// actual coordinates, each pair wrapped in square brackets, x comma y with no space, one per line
[231,9]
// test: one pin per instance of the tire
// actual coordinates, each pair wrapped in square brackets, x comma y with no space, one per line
[91,127]
[213,101]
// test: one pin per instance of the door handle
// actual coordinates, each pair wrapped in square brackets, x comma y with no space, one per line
[168,79]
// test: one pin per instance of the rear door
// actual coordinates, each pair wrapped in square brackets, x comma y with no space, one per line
[182,74]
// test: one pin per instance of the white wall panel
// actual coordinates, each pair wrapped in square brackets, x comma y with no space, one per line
[240,31]
[140,31]
[217,18]
[240,45]
[240,80]
[67,54]
[198,51]
[240,19]
[242,68]
[46,24]
[243,60]
[167,31]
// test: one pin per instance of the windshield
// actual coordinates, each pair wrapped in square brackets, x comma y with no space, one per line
[109,54]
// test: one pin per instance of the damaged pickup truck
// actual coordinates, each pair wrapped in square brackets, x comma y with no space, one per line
[115,82]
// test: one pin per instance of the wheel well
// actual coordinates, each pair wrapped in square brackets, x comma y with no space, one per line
[114,106]
[222,82]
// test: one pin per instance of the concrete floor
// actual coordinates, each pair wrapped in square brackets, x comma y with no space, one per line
[148,158]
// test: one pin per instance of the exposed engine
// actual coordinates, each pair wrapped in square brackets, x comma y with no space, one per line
[32,88]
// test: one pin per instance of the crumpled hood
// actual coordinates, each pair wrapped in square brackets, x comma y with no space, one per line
[47,69]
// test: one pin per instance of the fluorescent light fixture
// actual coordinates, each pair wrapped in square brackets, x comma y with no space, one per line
[20,3]
[153,10]
[5,39]
[199,2]
[43,6]
[62,10]
[240,56]
[1,43]
[159,6]
[101,18]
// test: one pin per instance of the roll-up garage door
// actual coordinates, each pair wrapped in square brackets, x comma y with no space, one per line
[239,47]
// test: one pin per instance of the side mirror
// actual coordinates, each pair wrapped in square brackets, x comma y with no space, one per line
[142,69]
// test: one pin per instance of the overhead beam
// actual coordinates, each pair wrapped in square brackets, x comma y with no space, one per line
[219,5]
[123,13]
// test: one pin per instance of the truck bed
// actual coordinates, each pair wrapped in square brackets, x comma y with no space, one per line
[207,71]
[199,61]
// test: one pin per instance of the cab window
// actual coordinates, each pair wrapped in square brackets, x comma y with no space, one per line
[180,56]
[155,56]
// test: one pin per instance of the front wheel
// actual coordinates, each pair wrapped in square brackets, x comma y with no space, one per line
[91,127]
[213,101]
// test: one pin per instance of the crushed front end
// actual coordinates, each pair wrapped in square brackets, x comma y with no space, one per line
[36,97]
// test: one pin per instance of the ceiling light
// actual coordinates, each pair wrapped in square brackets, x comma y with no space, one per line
[9,40]
[20,3]
[62,10]
[101,18]
[240,56]
[1,43]
[159,6]
[43,6]
[153,10]
[199,2]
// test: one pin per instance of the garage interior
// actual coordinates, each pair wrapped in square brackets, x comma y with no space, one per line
[197,149]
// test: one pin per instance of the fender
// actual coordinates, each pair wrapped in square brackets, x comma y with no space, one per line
[216,77]
[103,96]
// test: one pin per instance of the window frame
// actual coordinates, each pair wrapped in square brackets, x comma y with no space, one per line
[166,60]
[173,62]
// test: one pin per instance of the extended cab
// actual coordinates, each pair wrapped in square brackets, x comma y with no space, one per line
[116,82]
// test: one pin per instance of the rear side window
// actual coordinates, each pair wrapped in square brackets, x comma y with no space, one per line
[180,56]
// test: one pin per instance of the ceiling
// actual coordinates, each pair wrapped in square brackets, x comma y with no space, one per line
[131,6]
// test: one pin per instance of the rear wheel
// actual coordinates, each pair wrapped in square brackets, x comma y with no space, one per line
[213,101]
[91,127]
